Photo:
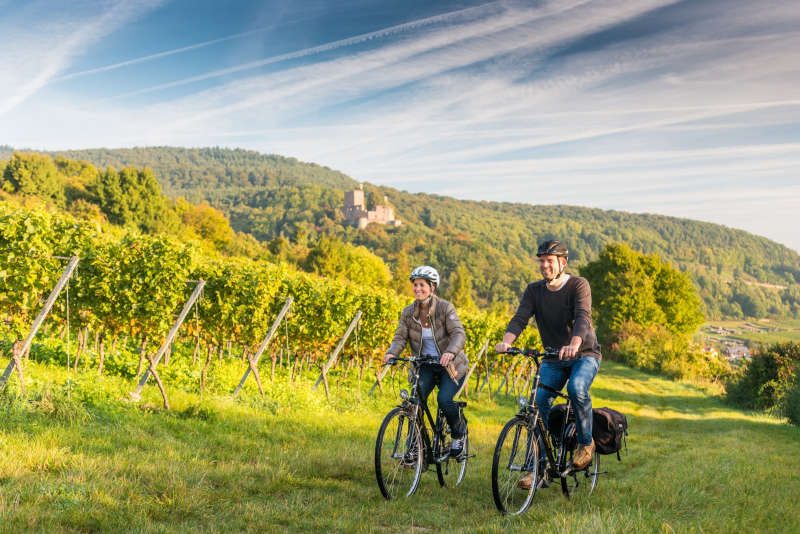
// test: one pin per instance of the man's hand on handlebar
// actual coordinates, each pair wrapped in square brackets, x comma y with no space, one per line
[388,358]
[569,351]
[502,347]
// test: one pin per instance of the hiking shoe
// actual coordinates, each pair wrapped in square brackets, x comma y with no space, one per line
[583,456]
[456,448]
[526,481]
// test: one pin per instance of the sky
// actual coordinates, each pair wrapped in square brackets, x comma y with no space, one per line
[682,108]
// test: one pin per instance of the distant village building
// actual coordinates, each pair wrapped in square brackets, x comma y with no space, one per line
[710,350]
[737,352]
[355,210]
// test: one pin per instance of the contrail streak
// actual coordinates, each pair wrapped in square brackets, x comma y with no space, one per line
[161,54]
[309,51]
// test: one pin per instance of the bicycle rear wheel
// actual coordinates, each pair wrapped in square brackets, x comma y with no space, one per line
[581,483]
[516,455]
[399,455]
[450,471]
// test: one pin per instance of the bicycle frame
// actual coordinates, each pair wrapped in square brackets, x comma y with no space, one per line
[532,415]
[519,462]
[413,404]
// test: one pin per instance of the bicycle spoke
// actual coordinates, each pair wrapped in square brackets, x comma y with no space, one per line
[398,455]
[515,457]
[450,471]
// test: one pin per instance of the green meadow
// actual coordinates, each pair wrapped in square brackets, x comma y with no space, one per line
[761,332]
[84,459]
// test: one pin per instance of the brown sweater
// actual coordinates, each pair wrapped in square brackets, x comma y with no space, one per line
[560,315]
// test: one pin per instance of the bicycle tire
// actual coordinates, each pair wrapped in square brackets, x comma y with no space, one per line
[449,471]
[516,453]
[397,465]
[576,483]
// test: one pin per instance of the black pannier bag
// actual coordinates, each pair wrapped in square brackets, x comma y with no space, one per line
[609,429]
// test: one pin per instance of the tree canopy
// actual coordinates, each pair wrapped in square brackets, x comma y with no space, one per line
[270,197]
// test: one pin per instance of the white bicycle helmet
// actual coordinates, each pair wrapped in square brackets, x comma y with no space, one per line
[426,272]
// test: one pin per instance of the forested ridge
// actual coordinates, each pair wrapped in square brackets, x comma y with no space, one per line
[485,246]
[138,247]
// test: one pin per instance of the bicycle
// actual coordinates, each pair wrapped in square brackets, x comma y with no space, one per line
[524,446]
[404,448]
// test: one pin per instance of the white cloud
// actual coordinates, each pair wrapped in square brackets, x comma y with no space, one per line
[476,105]
[41,39]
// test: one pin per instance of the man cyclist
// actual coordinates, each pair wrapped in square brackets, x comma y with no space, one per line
[562,307]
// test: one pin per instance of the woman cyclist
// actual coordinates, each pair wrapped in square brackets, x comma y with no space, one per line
[430,326]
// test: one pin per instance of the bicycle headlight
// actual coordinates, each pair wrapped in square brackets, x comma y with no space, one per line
[523,401]
[404,394]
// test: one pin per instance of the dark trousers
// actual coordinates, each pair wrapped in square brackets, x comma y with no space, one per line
[433,375]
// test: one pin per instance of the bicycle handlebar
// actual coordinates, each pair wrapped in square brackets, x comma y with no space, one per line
[425,358]
[532,353]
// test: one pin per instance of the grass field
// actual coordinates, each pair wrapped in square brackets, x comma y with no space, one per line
[754,332]
[298,463]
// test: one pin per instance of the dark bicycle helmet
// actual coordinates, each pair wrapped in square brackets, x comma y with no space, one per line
[425,272]
[554,247]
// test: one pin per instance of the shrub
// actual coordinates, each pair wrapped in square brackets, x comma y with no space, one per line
[657,349]
[769,380]
[792,410]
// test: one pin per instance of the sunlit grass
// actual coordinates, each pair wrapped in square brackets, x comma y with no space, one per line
[92,461]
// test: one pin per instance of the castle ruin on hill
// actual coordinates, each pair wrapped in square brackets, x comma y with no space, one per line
[355,210]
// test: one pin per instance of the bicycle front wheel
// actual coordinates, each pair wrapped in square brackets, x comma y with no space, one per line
[398,455]
[516,457]
[575,484]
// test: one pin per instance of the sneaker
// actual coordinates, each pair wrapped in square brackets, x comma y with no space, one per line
[583,456]
[456,448]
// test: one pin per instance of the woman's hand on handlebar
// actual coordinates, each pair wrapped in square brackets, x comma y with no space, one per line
[446,358]
[502,347]
[387,358]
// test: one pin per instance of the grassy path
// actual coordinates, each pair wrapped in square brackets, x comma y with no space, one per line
[300,464]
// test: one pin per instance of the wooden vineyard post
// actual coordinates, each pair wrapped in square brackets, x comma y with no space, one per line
[472,368]
[528,379]
[255,375]
[486,379]
[152,370]
[514,363]
[26,345]
[136,394]
[323,377]
[378,377]
[520,372]
[261,348]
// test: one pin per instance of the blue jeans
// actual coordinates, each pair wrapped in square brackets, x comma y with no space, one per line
[581,373]
[431,375]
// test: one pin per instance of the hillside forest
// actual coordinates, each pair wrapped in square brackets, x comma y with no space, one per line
[655,279]
[483,249]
